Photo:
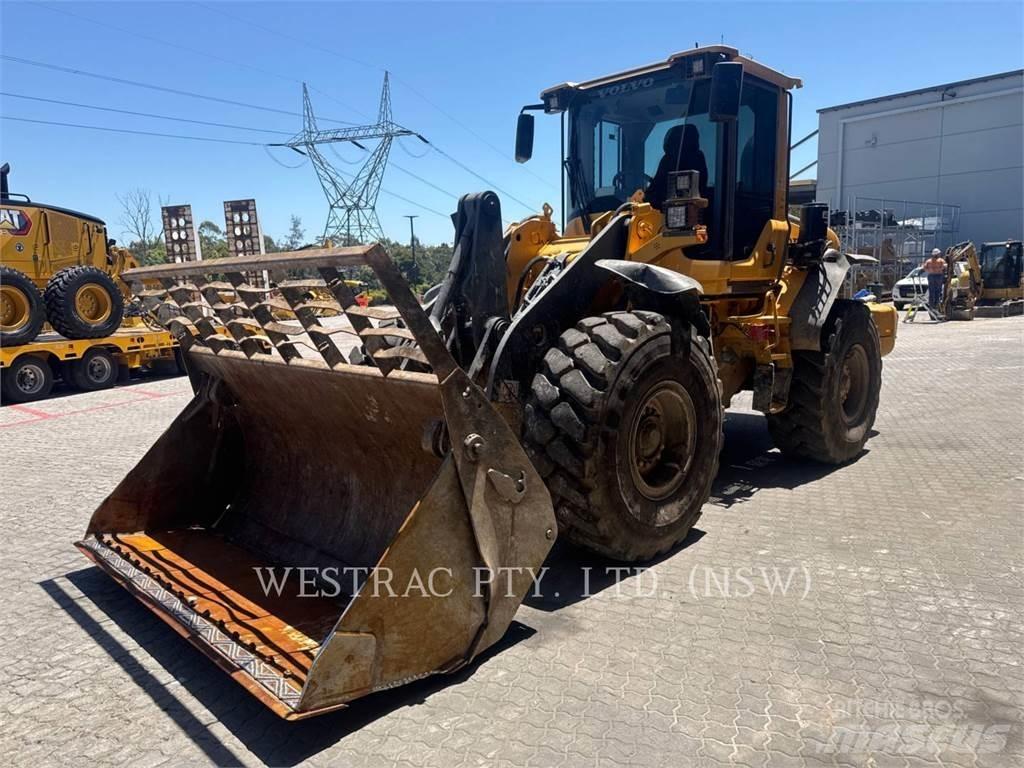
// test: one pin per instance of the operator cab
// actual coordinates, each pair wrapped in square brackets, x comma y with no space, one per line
[628,133]
[1001,265]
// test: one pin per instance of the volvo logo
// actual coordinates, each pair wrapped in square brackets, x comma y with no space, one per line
[617,89]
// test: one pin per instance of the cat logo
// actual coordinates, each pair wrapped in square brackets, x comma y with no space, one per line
[14,222]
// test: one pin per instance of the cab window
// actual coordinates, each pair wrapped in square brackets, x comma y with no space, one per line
[755,164]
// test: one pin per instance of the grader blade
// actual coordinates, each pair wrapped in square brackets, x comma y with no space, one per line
[322,530]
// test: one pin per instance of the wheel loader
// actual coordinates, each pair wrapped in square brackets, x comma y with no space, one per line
[56,266]
[556,383]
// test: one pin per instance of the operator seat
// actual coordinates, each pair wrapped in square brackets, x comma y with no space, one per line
[682,142]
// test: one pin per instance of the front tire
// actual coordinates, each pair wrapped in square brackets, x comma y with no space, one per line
[624,422]
[21,308]
[834,394]
[83,302]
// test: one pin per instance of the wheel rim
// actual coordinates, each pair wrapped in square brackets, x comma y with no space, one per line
[30,379]
[93,304]
[662,437]
[98,369]
[15,309]
[853,385]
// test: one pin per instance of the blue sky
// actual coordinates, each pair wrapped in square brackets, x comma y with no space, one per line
[460,73]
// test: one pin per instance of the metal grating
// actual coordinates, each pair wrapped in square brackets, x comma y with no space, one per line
[286,316]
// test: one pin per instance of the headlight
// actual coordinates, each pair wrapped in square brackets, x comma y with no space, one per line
[675,216]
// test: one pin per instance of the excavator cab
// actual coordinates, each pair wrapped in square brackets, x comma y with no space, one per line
[1002,268]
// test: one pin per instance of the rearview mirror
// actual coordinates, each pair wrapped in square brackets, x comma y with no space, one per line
[726,85]
[524,137]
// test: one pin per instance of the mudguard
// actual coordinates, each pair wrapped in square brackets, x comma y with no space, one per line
[816,296]
[570,296]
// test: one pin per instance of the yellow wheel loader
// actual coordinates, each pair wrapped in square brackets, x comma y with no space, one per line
[56,266]
[349,504]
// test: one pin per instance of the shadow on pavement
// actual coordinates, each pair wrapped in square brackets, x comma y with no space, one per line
[62,390]
[573,574]
[750,463]
[273,740]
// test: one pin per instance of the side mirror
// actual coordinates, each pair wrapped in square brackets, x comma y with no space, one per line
[524,137]
[726,86]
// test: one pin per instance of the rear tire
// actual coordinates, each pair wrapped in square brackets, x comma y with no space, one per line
[95,370]
[624,422]
[29,378]
[22,313]
[833,398]
[83,302]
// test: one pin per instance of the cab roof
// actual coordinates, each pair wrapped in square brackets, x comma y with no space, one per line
[728,53]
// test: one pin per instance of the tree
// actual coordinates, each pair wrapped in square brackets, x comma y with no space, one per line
[296,235]
[212,241]
[145,241]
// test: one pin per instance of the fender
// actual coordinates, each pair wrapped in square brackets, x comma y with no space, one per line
[816,296]
[662,290]
[570,297]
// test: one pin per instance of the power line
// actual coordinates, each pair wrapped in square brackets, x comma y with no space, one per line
[128,130]
[471,132]
[194,138]
[191,138]
[150,86]
[212,98]
[397,79]
[140,114]
[294,39]
[187,49]
[467,169]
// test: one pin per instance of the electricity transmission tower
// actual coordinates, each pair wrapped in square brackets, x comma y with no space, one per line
[352,216]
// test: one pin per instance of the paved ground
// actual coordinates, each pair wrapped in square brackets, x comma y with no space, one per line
[893,637]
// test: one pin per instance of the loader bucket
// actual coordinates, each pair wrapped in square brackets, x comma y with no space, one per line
[322,530]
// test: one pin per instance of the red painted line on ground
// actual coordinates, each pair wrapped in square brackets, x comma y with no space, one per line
[150,395]
[43,416]
[19,423]
[32,412]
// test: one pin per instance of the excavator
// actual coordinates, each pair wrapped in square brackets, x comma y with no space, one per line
[991,285]
[403,472]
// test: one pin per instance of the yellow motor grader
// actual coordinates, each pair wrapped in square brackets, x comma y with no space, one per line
[402,472]
[56,266]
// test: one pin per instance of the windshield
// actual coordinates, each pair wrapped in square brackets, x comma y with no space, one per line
[628,135]
[1001,265]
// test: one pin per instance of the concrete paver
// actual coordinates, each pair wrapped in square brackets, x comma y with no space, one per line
[863,615]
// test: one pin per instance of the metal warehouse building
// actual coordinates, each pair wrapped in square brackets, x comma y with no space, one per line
[959,144]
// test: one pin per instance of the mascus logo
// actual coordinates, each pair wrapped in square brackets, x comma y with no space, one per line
[14,222]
